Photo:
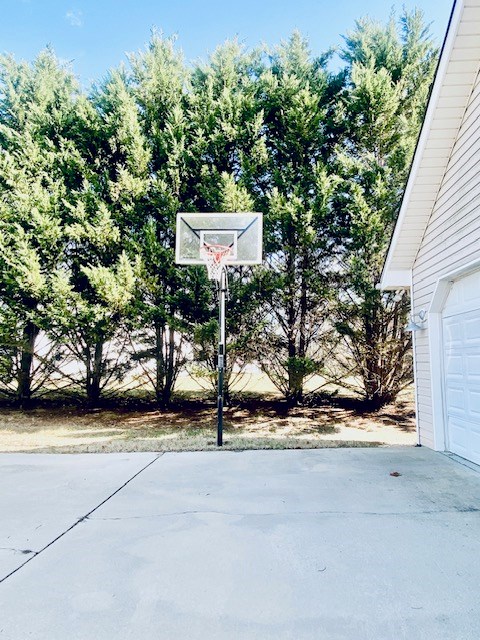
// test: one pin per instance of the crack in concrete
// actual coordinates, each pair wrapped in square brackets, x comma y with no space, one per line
[290,513]
[23,551]
[81,519]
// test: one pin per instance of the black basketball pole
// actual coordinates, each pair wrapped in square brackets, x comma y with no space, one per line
[221,354]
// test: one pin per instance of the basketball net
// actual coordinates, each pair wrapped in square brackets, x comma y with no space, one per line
[215,256]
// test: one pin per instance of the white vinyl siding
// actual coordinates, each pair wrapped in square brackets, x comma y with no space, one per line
[445,119]
[451,239]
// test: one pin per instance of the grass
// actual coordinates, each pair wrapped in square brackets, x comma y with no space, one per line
[255,423]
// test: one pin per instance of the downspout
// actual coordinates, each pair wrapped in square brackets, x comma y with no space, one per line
[414,350]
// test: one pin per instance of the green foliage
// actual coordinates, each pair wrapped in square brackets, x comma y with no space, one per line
[297,188]
[170,301]
[387,73]
[37,103]
[108,174]
[228,155]
[90,185]
[234,197]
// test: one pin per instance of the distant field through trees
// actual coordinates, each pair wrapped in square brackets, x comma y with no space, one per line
[91,301]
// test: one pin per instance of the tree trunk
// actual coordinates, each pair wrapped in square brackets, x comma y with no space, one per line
[302,345]
[24,386]
[159,362]
[292,392]
[94,373]
[165,365]
[292,368]
[384,352]
[170,373]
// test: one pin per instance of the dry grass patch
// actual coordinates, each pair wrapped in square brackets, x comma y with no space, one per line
[191,426]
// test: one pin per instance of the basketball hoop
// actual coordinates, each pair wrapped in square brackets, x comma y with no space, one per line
[215,240]
[215,257]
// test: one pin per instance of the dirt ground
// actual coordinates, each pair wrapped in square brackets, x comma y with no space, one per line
[255,424]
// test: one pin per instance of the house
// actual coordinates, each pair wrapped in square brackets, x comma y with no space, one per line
[435,247]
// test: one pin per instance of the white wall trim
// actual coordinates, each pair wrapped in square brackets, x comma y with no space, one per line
[414,352]
[435,345]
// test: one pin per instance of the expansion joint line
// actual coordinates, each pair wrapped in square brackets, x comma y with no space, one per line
[35,554]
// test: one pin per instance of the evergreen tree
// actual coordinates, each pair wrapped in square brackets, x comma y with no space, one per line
[295,94]
[389,75]
[228,156]
[95,288]
[37,104]
[90,188]
[171,298]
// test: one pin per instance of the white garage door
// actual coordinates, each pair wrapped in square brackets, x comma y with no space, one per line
[461,340]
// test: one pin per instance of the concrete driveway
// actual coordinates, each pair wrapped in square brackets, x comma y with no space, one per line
[319,544]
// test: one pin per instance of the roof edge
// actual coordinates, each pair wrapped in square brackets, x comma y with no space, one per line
[437,83]
[398,279]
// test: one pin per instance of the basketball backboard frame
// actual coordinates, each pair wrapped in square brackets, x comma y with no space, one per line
[243,232]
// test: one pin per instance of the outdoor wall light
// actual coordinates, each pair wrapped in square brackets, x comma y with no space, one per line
[417,321]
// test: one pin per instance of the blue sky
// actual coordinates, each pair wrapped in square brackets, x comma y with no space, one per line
[95,34]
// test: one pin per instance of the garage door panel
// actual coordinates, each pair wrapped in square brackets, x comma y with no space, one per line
[468,288]
[475,431]
[473,453]
[464,441]
[456,401]
[473,366]
[472,331]
[458,436]
[464,294]
[453,366]
[461,348]
[474,404]
[453,333]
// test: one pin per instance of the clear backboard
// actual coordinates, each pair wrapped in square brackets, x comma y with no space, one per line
[241,233]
